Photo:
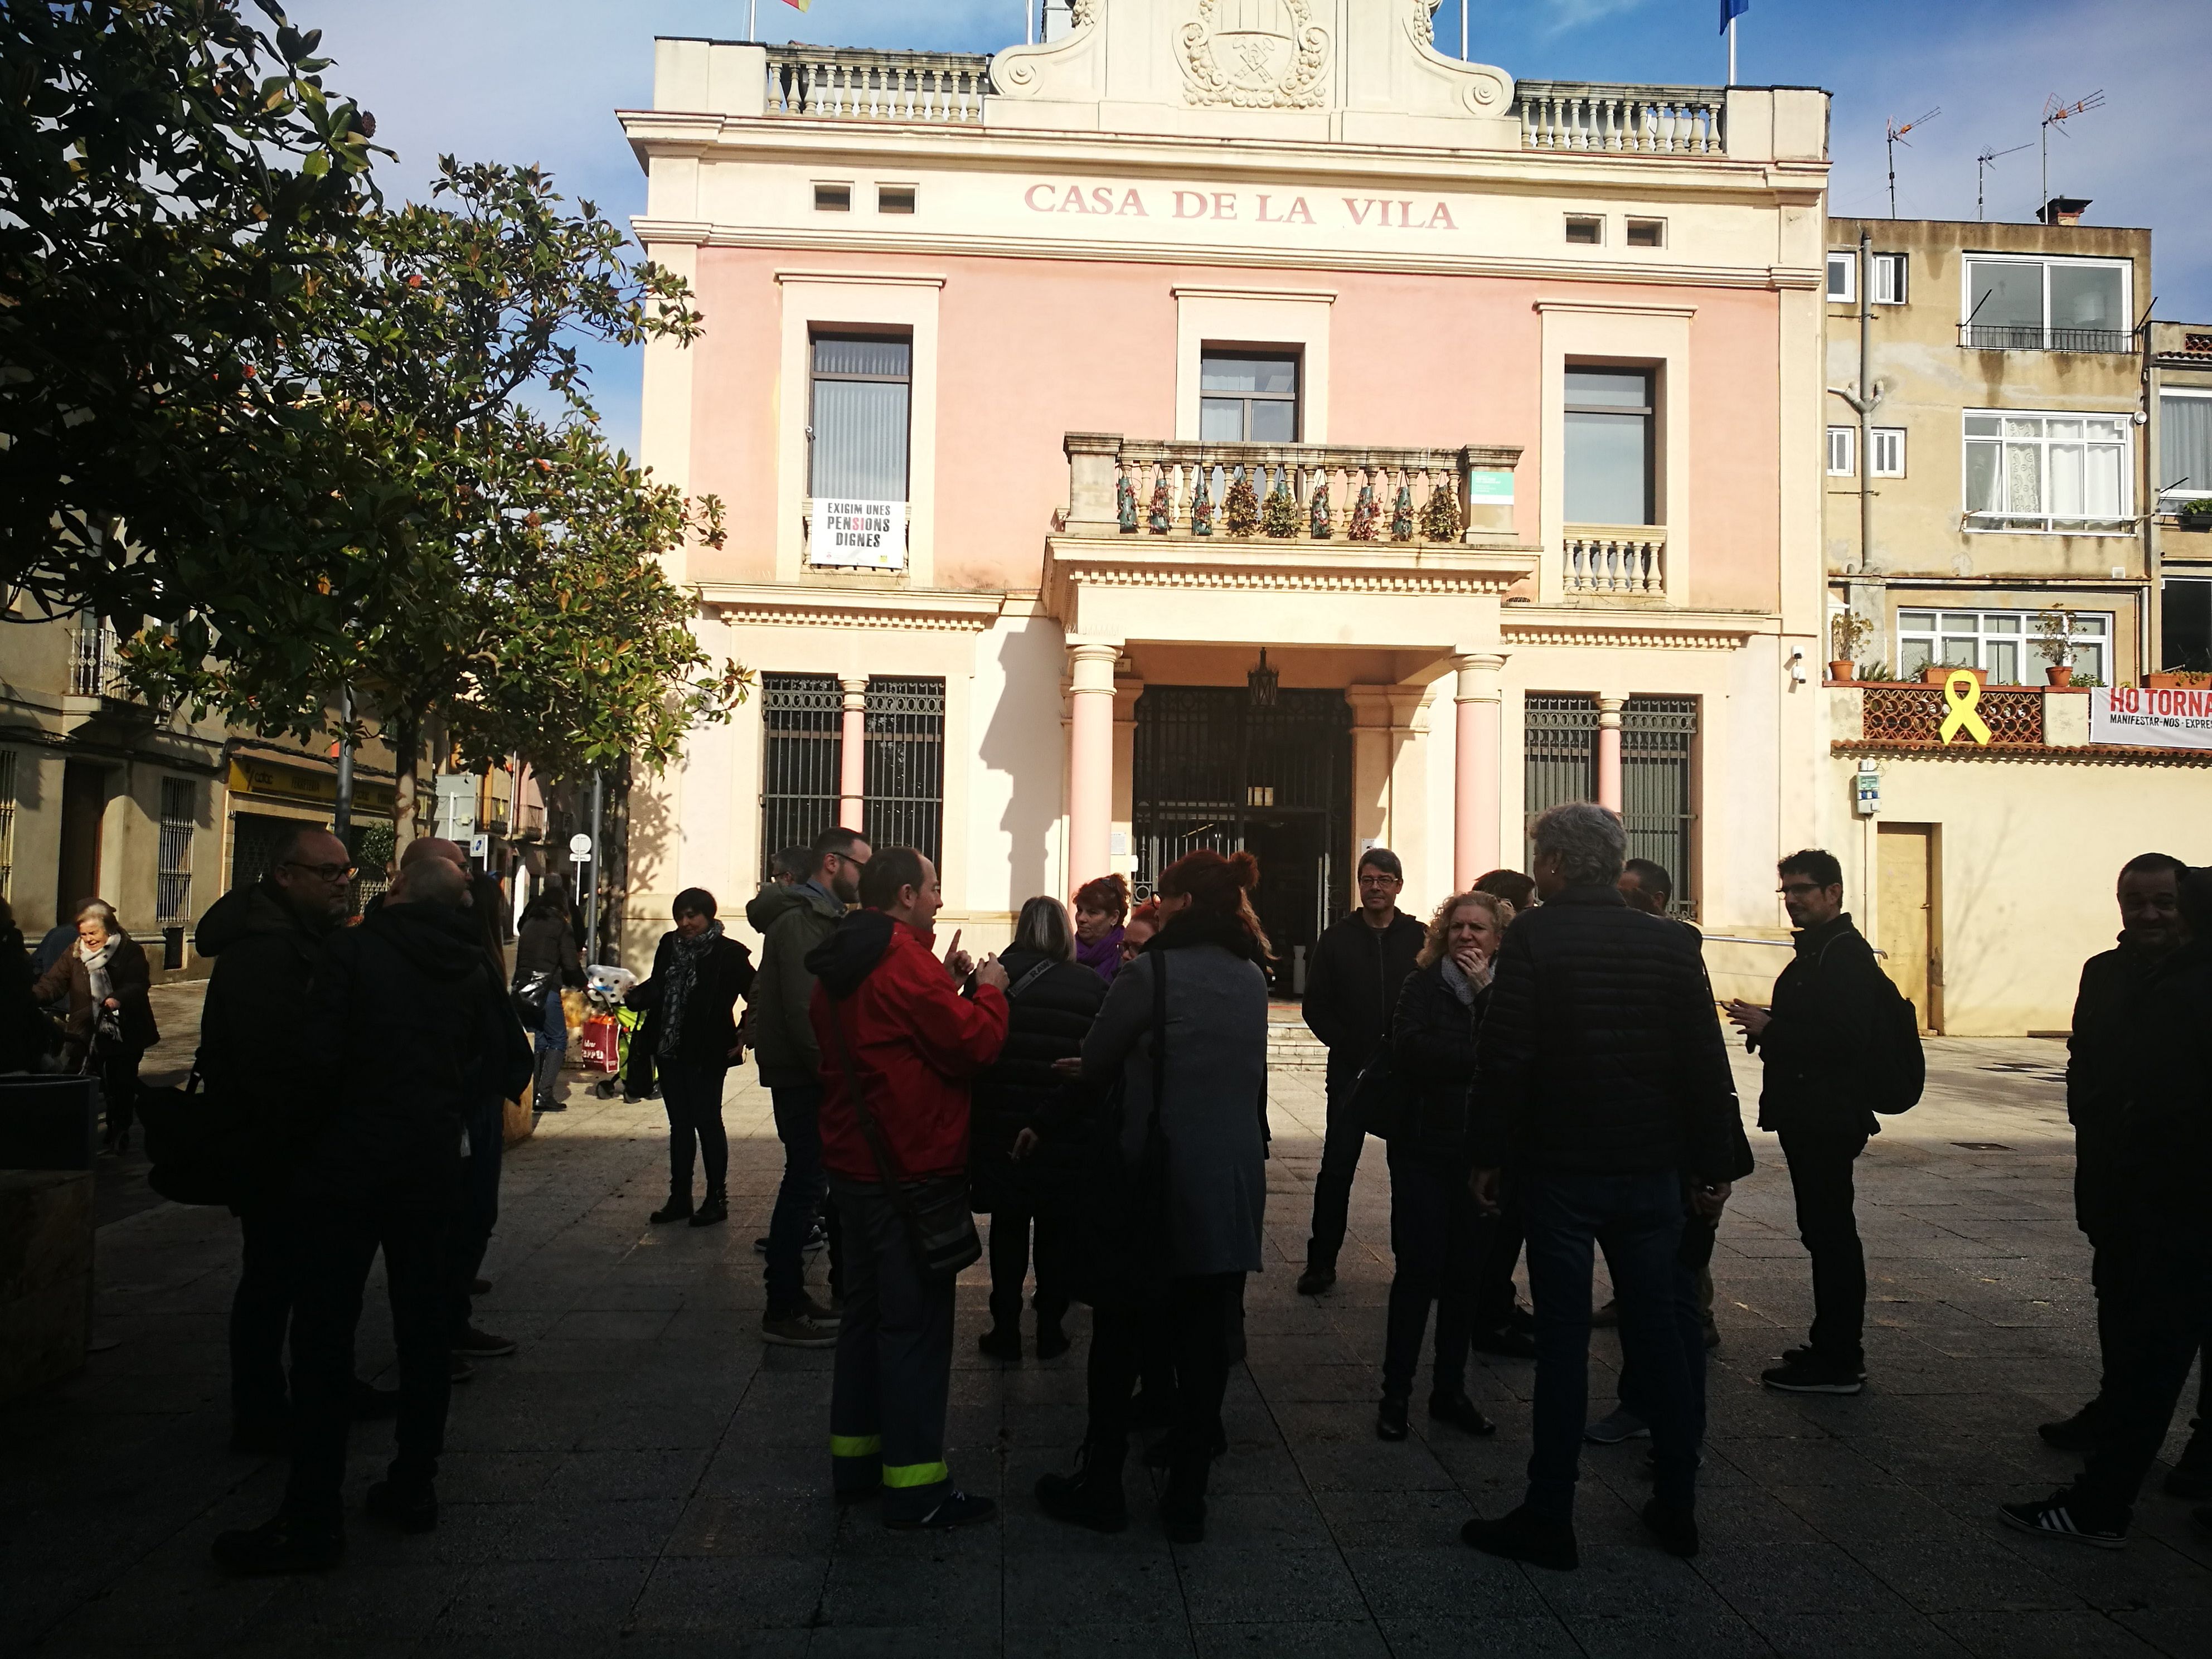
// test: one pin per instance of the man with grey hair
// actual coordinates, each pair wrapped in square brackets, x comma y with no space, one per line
[1602,1092]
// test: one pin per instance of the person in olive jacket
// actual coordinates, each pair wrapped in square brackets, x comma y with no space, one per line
[109,1021]
[1357,966]
[1437,1232]
[691,1026]
[1018,1158]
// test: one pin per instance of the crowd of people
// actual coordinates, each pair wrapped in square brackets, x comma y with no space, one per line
[1544,1059]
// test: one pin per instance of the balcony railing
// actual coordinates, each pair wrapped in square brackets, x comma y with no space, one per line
[1626,119]
[1282,492]
[1914,715]
[2007,336]
[847,83]
[1612,559]
[96,670]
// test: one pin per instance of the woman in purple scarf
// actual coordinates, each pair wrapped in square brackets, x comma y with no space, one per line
[1100,907]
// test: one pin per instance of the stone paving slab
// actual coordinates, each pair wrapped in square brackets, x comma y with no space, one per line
[644,1478]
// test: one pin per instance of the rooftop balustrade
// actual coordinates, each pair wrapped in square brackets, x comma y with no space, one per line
[1634,120]
[851,83]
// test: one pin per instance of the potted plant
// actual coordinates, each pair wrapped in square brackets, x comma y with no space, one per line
[1847,631]
[2197,512]
[2054,642]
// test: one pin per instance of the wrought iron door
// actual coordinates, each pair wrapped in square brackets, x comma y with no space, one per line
[1655,735]
[803,721]
[1559,758]
[904,804]
[1214,769]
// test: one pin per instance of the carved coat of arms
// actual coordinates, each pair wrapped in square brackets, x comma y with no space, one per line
[1256,54]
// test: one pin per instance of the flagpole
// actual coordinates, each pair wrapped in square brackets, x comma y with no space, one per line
[752,20]
[1731,51]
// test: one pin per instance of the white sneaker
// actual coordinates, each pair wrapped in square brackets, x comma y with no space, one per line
[1622,1425]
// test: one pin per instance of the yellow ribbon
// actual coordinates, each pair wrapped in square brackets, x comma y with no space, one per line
[1962,692]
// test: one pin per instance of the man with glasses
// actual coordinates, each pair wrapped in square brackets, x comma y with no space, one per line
[792,920]
[267,943]
[1828,1015]
[1358,966]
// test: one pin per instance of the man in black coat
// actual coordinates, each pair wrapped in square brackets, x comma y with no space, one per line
[409,1028]
[1359,964]
[1601,1088]
[2160,1282]
[2151,930]
[267,942]
[1828,1015]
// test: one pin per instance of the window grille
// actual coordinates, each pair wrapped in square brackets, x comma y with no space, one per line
[1560,761]
[7,825]
[1657,804]
[180,799]
[802,760]
[904,798]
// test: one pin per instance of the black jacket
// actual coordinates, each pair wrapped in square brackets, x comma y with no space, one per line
[2096,1091]
[710,1022]
[2165,1131]
[1353,984]
[411,1031]
[1432,1057]
[254,1027]
[1020,1091]
[25,1036]
[546,945]
[1828,1009]
[1602,1051]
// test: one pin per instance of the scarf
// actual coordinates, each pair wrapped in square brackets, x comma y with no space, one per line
[1102,957]
[107,1024]
[1461,985]
[678,984]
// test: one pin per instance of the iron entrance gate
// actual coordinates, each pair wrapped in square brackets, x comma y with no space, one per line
[1214,768]
[1656,733]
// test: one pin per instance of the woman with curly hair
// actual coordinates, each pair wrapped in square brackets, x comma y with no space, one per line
[1101,906]
[1437,1228]
[1179,1184]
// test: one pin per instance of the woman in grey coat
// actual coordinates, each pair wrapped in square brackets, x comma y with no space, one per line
[1183,1180]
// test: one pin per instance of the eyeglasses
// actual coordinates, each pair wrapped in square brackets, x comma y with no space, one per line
[847,858]
[325,872]
[1798,889]
[1377,879]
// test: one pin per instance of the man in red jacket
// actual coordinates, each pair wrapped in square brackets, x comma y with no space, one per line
[887,1009]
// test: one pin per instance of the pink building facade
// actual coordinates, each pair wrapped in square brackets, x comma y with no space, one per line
[1046,391]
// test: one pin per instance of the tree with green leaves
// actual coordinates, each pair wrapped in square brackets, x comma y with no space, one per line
[175,186]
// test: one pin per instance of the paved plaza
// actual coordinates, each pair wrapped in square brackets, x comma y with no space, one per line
[644,1478]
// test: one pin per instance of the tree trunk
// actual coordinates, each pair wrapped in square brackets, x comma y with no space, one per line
[406,734]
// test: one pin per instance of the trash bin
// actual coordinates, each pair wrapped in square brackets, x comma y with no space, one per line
[48,1122]
[173,948]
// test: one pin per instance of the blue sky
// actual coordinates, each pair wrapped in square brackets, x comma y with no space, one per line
[539,80]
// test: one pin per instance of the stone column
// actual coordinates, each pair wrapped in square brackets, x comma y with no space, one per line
[853,780]
[1608,751]
[1091,759]
[1475,796]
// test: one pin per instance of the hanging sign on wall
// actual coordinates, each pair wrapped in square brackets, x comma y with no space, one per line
[2151,717]
[857,535]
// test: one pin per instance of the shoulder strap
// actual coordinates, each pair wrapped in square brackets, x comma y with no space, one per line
[1029,978]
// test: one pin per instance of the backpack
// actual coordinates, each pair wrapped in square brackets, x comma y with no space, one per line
[1896,1071]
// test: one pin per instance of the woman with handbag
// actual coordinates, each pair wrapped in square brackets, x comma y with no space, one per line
[1437,1228]
[109,1022]
[546,959]
[1018,1166]
[690,1004]
[1184,1034]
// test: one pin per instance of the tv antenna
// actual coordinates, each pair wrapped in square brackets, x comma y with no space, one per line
[1983,163]
[2056,114]
[1896,136]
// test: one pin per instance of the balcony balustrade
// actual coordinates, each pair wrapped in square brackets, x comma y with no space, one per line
[844,83]
[96,667]
[1303,492]
[1631,120]
[1613,560]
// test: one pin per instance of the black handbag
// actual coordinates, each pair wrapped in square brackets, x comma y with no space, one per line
[197,1145]
[940,1221]
[1382,1101]
[529,995]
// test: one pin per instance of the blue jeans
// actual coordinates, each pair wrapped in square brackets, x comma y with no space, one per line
[798,1126]
[1638,1220]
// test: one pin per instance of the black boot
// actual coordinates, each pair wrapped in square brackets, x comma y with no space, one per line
[2077,1433]
[1003,1339]
[1390,1418]
[1092,1496]
[716,1208]
[678,1208]
[2192,1472]
[1182,1506]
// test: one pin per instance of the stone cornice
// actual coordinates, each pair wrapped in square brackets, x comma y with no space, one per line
[2090,754]
[776,605]
[684,232]
[1411,569]
[1644,627]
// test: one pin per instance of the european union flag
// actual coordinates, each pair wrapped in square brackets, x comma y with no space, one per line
[1732,9]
